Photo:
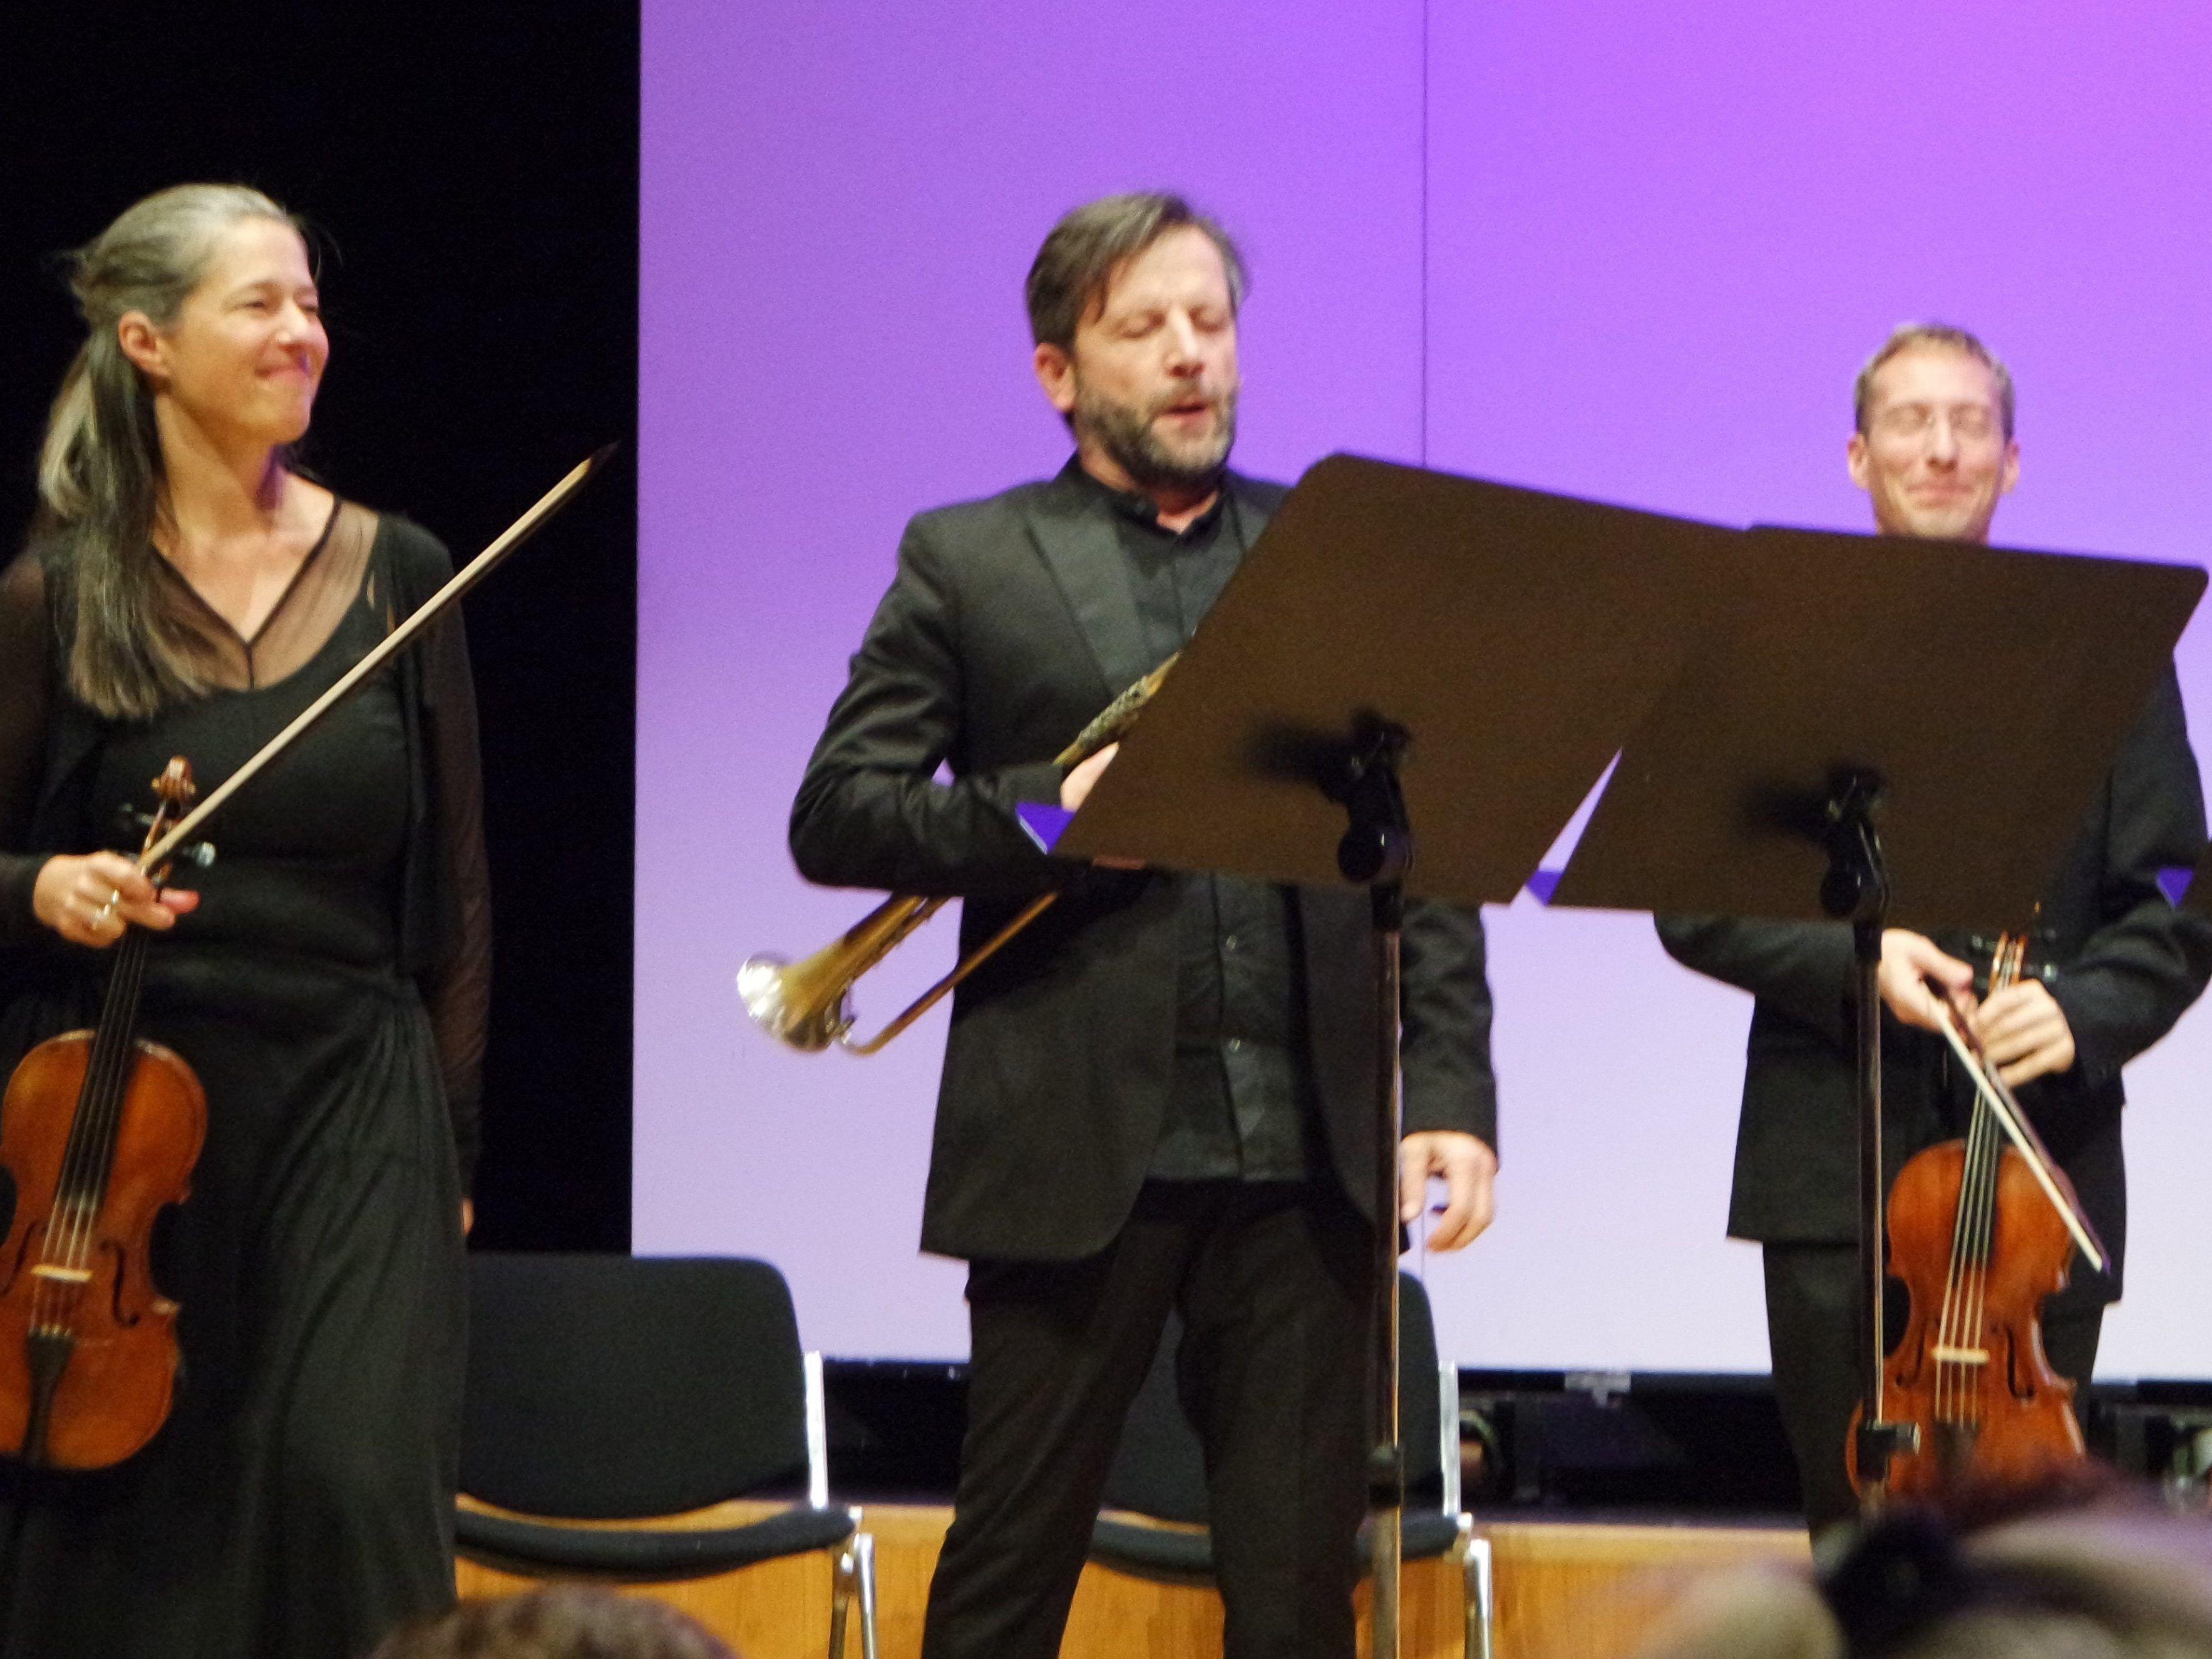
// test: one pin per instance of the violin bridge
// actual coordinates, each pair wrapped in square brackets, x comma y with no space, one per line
[65,1275]
[1960,1356]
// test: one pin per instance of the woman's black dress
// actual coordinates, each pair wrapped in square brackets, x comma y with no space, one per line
[330,992]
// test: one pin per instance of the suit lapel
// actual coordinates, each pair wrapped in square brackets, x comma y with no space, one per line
[1078,545]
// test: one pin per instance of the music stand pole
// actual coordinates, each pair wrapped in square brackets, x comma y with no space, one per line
[1855,889]
[1376,852]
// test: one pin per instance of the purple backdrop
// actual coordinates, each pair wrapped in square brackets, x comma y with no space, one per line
[1585,246]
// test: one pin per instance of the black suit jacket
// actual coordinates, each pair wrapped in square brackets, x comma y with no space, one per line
[2123,964]
[1010,625]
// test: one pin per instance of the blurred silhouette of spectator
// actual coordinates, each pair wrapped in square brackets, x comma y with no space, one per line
[563,1621]
[2081,1569]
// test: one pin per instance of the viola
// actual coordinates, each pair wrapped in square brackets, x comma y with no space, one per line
[100,1133]
[1979,1235]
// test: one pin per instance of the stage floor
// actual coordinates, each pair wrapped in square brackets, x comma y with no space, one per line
[1564,1589]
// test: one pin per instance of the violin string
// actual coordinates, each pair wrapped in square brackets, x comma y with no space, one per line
[115,1053]
[2015,969]
[1985,1195]
[88,1152]
[47,1302]
[1956,1328]
[62,1243]
[1986,1154]
[1971,1209]
[98,1084]
[107,1125]
[1965,1290]
[67,1181]
[97,1105]
[1947,1328]
[94,1133]
[126,1069]
[1974,1246]
[1971,1252]
[2015,960]
[1969,1181]
[2004,968]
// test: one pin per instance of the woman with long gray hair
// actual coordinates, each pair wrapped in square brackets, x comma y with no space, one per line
[186,593]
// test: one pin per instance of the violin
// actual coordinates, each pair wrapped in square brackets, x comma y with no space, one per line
[99,1131]
[1980,1232]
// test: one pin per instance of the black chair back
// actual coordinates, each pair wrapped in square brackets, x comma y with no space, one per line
[610,1387]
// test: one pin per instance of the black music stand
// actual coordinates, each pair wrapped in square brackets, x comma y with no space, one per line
[1882,730]
[1404,649]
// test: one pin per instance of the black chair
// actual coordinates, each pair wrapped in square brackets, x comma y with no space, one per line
[606,1388]
[1159,1472]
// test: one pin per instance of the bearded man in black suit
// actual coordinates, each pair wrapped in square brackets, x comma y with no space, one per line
[1158,1096]
[2113,965]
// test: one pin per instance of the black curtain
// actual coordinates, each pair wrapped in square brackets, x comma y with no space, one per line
[471,175]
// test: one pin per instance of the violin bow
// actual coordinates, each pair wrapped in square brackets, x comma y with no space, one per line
[393,643]
[1998,1096]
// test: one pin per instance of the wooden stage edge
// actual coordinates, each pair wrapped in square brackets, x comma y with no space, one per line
[1564,1590]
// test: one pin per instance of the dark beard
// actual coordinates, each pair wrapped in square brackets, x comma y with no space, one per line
[1127,434]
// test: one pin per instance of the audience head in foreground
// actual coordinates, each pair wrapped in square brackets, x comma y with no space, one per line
[565,1622]
[2094,1582]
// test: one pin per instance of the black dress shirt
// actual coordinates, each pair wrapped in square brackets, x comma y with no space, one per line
[1244,1105]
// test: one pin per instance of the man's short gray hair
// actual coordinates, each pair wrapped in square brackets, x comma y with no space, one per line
[1907,337]
[1091,242]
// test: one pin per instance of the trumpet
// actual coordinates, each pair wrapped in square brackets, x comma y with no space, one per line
[808,1003]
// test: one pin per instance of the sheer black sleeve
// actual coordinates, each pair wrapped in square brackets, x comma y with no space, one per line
[460,994]
[25,647]
[457,988]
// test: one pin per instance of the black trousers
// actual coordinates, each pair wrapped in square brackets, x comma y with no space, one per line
[1272,1282]
[1813,1333]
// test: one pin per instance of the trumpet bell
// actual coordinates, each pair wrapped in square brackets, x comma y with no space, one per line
[766,986]
[808,1004]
